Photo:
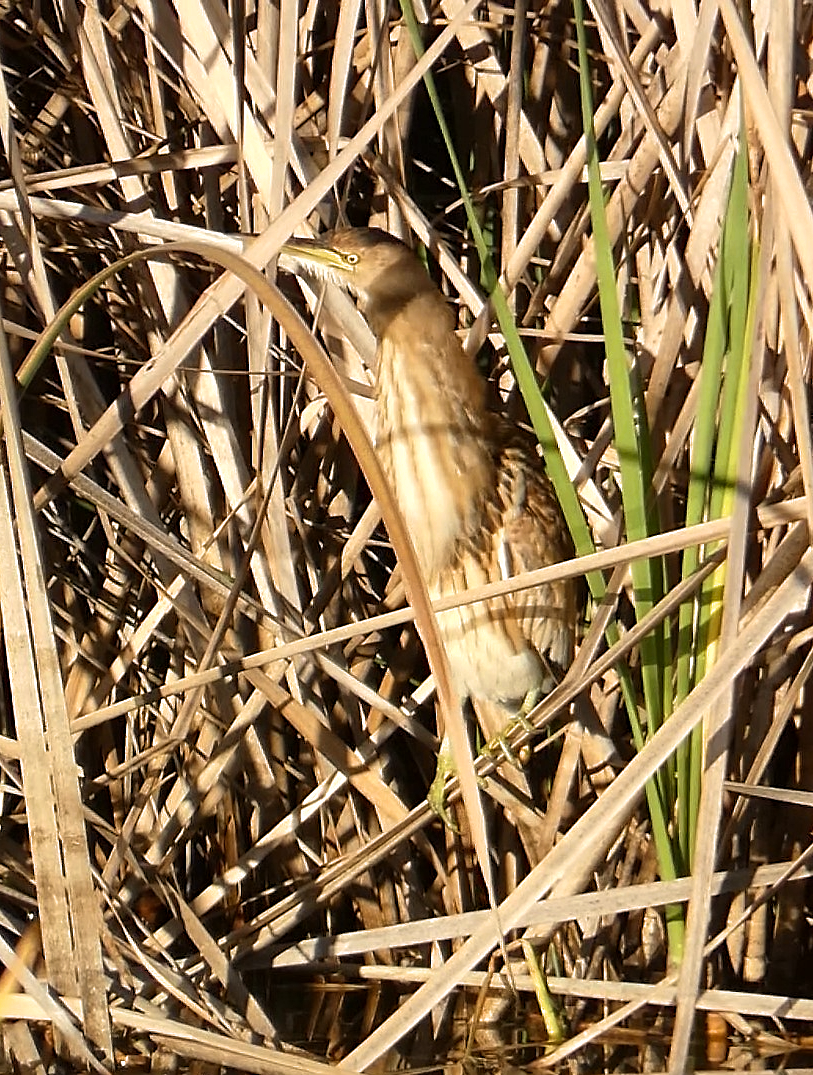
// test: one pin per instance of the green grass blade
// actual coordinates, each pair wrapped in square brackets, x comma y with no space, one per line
[633,449]
[629,422]
[714,466]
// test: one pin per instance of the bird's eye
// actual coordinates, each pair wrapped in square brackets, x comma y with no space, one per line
[351,259]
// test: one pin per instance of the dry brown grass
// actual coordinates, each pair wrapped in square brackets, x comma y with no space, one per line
[217,728]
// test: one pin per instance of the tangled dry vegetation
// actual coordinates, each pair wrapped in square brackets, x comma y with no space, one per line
[217,723]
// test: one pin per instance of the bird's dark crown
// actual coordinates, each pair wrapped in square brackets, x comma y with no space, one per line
[379,269]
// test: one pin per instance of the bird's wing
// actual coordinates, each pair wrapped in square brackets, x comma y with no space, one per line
[532,534]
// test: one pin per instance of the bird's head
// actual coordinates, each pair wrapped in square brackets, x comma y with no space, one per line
[377,268]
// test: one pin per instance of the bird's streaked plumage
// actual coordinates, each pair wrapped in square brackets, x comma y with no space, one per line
[471,489]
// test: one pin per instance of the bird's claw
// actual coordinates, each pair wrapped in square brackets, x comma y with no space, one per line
[500,745]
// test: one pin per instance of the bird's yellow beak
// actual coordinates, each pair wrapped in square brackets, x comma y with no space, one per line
[311,253]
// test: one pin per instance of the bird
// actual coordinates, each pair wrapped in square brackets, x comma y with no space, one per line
[470,486]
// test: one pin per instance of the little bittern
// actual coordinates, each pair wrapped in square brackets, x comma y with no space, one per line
[475,501]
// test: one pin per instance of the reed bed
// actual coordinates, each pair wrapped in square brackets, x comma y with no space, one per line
[218,719]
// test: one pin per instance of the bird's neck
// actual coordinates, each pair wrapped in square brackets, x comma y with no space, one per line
[432,428]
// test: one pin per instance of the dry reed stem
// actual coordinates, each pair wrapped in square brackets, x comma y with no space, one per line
[223,632]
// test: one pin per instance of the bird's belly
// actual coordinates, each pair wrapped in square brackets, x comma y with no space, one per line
[488,661]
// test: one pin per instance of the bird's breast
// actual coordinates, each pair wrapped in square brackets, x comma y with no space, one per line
[435,456]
